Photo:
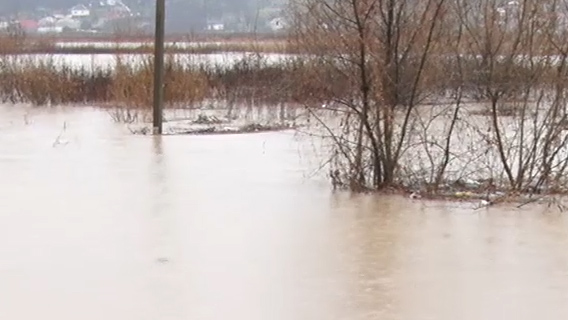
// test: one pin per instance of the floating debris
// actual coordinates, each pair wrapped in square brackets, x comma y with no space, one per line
[415,195]
[205,119]
[162,260]
[200,129]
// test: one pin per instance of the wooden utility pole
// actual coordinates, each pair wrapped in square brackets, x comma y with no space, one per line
[159,66]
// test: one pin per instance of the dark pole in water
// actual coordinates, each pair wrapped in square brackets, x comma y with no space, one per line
[159,66]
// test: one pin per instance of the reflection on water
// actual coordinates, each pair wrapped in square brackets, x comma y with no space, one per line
[105,225]
[106,61]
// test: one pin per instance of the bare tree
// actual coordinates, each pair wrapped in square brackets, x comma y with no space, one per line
[517,65]
[382,49]
[435,93]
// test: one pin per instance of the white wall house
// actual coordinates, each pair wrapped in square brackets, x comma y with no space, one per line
[44,30]
[215,26]
[278,24]
[68,24]
[80,11]
[47,22]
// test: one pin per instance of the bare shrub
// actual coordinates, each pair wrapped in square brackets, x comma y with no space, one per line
[439,95]
[381,50]
[516,74]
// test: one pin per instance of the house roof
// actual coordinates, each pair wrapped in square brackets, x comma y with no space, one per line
[79,7]
[28,24]
[214,21]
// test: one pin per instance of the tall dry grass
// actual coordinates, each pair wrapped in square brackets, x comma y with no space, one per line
[128,84]
[131,85]
[44,82]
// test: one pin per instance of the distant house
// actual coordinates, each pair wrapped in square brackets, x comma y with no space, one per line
[68,23]
[80,11]
[215,25]
[47,22]
[44,30]
[277,24]
[55,24]
[29,25]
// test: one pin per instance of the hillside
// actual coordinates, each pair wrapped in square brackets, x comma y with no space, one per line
[182,15]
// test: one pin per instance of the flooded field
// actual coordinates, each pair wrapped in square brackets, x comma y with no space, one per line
[96,223]
[134,44]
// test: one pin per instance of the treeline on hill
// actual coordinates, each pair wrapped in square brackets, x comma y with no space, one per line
[182,15]
[216,6]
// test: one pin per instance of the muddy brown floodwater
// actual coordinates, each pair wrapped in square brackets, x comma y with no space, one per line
[98,224]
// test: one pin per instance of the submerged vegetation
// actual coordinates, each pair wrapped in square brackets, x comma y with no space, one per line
[252,79]
[444,98]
